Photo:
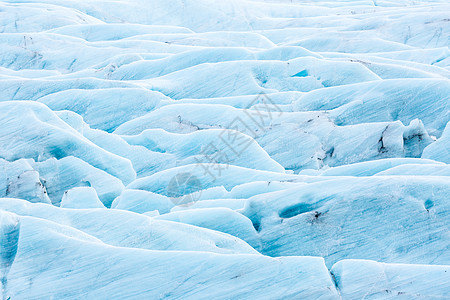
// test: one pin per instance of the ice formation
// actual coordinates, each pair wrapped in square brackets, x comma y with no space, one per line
[237,149]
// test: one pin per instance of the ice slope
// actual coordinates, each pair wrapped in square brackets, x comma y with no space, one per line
[400,219]
[53,177]
[314,139]
[198,149]
[141,201]
[108,114]
[32,130]
[440,149]
[126,229]
[387,100]
[81,197]
[220,219]
[62,267]
[363,279]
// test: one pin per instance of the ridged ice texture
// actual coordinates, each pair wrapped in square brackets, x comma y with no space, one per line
[236,149]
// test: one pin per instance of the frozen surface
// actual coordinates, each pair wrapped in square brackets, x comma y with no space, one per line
[237,149]
[81,197]
[126,229]
[389,218]
[358,279]
[144,272]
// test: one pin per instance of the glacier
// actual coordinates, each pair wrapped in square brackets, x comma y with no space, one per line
[237,149]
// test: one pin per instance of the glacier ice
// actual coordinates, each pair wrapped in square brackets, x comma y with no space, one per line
[128,229]
[372,280]
[81,197]
[238,149]
[129,272]
[141,201]
[346,215]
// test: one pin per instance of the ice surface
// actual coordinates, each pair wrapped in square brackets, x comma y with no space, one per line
[81,197]
[140,201]
[104,108]
[238,149]
[32,130]
[387,100]
[127,229]
[19,179]
[439,150]
[380,218]
[357,279]
[220,219]
[145,273]
[70,172]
